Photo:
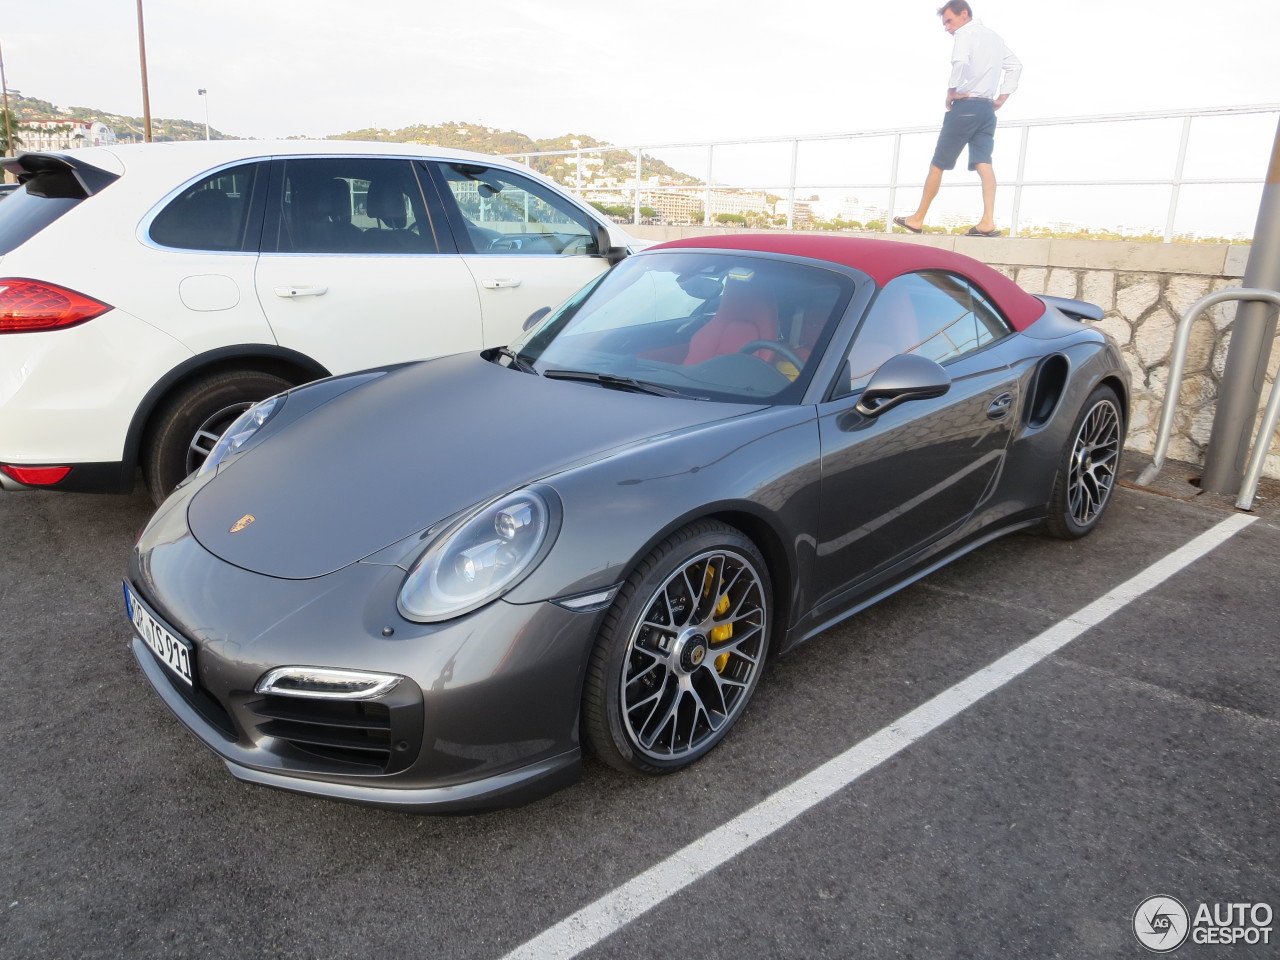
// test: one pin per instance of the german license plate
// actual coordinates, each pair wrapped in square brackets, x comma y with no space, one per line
[174,652]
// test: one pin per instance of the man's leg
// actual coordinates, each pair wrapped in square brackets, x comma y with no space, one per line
[988,177]
[931,184]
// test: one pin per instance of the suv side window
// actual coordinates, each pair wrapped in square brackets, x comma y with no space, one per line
[354,205]
[936,315]
[215,213]
[501,212]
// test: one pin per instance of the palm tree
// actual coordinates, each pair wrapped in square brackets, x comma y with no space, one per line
[9,127]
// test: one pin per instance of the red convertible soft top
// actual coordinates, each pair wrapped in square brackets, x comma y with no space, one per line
[882,260]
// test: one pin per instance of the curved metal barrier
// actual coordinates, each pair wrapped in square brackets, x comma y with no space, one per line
[1177,365]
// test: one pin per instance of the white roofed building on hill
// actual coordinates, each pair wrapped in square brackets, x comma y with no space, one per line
[40,135]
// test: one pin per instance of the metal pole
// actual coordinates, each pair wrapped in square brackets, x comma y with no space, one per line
[706,193]
[1252,335]
[1178,167]
[204,95]
[635,199]
[142,62]
[1016,216]
[893,184]
[1260,448]
[9,151]
[791,188]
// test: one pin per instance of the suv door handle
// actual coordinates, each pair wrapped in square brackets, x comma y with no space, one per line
[495,284]
[301,290]
[1000,406]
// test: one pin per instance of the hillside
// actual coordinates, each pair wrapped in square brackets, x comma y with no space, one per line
[617,164]
[126,128]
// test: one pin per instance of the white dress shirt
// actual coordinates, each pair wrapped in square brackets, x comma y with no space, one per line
[981,64]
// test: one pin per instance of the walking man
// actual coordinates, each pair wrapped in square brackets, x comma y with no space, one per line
[983,73]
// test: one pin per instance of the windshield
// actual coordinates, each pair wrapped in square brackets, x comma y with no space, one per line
[720,325]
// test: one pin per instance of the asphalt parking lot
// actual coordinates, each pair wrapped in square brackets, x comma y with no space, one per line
[1140,758]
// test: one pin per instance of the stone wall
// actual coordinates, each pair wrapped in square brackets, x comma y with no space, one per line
[1144,289]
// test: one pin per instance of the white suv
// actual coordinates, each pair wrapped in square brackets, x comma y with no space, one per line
[150,293]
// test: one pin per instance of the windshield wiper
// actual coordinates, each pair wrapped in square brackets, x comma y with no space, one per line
[517,361]
[614,381]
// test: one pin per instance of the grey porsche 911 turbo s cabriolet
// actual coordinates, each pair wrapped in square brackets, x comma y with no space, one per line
[430,586]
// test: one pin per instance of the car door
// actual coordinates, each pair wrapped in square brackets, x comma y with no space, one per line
[202,250]
[526,245]
[896,482]
[355,272]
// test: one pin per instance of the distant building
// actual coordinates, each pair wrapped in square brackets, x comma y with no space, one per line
[801,214]
[722,201]
[675,207]
[848,208]
[41,135]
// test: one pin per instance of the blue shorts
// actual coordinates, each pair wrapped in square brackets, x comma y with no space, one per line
[969,122]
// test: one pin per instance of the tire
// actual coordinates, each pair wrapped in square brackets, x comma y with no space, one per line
[184,430]
[1088,467]
[680,652]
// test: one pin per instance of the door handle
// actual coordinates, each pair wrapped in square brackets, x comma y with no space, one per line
[1000,406]
[301,290]
[496,284]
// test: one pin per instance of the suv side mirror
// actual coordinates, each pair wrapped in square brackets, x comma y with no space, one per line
[907,376]
[605,247]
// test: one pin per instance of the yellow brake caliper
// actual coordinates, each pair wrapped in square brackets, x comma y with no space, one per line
[723,632]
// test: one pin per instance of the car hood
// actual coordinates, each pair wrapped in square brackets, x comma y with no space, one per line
[407,449]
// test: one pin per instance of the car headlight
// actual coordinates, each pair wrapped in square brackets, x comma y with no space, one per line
[238,434]
[481,557]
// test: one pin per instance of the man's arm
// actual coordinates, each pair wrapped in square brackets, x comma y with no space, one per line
[1012,70]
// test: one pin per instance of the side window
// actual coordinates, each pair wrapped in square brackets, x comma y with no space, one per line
[213,214]
[504,213]
[936,315]
[355,205]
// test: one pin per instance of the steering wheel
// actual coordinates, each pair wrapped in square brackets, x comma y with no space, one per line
[780,347]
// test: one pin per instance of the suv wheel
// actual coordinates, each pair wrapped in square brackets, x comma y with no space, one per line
[185,427]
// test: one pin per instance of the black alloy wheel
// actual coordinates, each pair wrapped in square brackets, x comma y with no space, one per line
[681,651]
[1090,464]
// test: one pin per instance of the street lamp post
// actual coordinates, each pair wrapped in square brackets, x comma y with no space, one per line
[142,63]
[204,95]
[8,117]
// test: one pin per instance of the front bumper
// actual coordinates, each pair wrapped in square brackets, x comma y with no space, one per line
[510,788]
[486,716]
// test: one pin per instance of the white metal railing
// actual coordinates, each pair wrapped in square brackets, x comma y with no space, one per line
[788,184]
[1169,408]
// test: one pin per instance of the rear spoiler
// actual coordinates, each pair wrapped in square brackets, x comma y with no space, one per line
[1076,309]
[57,176]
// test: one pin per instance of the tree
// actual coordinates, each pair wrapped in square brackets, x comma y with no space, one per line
[734,218]
[9,125]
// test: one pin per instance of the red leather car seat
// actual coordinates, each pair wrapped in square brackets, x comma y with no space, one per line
[746,312]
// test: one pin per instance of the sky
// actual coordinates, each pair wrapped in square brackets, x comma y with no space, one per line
[661,71]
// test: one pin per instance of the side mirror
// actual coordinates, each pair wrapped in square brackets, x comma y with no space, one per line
[899,379]
[605,247]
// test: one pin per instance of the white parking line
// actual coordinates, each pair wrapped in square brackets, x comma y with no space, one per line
[591,924]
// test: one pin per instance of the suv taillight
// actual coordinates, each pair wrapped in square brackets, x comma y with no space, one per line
[29,305]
